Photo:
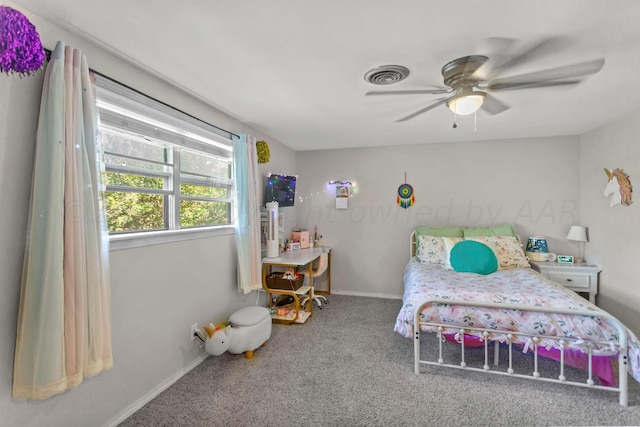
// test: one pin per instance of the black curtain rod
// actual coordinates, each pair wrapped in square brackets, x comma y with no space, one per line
[48,55]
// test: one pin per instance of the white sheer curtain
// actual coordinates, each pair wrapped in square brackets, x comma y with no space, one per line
[247,224]
[64,330]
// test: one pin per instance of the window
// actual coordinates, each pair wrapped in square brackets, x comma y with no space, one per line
[165,171]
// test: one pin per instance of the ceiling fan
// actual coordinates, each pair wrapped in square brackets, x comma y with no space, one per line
[470,80]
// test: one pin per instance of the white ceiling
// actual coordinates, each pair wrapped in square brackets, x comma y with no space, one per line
[293,69]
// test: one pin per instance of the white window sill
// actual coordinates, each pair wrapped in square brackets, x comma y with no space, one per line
[136,240]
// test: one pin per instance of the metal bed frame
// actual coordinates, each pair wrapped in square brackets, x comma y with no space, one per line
[621,345]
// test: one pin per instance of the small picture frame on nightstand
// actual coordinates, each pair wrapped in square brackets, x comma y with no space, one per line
[565,259]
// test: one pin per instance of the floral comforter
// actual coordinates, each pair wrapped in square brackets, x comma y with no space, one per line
[520,286]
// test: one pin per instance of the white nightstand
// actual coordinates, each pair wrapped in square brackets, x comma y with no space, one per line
[577,277]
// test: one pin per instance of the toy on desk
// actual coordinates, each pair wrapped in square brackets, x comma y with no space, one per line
[247,329]
[289,274]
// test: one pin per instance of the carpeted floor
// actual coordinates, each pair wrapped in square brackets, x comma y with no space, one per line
[346,367]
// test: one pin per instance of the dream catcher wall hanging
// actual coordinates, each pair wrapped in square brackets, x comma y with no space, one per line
[405,194]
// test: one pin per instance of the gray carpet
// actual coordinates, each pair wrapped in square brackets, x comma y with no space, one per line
[346,367]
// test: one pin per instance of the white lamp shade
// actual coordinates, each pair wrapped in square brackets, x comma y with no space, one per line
[577,233]
[466,102]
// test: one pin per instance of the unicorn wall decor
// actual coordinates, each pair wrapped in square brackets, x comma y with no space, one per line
[618,186]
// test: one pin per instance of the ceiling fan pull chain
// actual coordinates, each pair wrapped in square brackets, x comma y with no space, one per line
[475,121]
[455,118]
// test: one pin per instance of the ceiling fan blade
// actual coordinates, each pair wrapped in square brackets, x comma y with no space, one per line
[504,59]
[495,48]
[409,92]
[424,110]
[495,45]
[530,85]
[558,73]
[494,106]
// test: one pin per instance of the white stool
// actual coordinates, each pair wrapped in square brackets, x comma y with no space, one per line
[249,329]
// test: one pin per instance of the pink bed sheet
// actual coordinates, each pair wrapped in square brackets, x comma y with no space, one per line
[519,286]
[602,367]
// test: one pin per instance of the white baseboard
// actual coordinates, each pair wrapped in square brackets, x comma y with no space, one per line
[154,392]
[366,294]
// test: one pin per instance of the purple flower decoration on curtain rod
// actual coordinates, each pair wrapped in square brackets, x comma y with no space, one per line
[21,50]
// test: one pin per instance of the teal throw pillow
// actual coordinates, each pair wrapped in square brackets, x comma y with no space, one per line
[470,256]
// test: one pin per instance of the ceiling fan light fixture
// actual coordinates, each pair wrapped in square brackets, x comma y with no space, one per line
[466,102]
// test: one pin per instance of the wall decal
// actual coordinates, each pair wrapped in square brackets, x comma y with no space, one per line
[619,187]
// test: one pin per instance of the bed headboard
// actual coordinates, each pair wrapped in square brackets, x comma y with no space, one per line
[413,243]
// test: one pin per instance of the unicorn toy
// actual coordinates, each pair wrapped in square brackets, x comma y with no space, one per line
[619,187]
[247,329]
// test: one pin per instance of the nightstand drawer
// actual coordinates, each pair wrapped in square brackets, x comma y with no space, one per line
[570,280]
[577,277]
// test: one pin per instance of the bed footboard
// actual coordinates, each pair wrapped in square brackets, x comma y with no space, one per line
[511,337]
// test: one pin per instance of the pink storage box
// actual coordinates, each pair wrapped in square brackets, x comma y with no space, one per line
[302,237]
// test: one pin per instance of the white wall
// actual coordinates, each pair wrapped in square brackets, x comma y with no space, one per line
[157,291]
[542,185]
[533,183]
[614,233]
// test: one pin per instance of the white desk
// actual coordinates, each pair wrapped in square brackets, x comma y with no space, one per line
[297,258]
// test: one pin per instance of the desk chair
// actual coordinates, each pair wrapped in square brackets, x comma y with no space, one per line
[317,271]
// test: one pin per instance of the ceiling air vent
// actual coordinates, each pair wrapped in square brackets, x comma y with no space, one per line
[386,74]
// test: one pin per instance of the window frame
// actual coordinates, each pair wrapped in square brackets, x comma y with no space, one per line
[182,132]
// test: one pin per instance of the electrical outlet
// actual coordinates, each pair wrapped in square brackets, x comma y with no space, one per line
[194,328]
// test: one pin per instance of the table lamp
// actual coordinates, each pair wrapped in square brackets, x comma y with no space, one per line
[578,234]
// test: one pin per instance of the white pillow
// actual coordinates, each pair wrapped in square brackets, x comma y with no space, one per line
[449,243]
[508,251]
[430,249]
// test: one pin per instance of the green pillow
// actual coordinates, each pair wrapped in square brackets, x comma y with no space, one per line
[470,256]
[496,230]
[439,231]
